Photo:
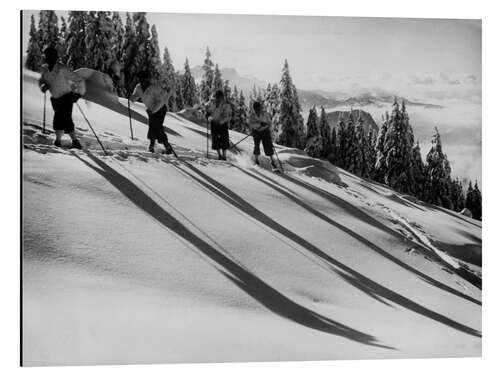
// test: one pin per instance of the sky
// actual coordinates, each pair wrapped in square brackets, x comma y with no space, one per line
[431,60]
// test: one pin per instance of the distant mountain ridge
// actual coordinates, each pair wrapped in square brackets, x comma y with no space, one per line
[310,98]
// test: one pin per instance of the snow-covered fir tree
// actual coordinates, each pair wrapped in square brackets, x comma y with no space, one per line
[34,58]
[314,142]
[325,133]
[289,112]
[342,142]
[76,49]
[473,201]
[154,58]
[189,93]
[179,99]
[240,111]
[418,172]
[168,79]
[370,153]
[208,78]
[352,150]
[333,147]
[48,29]
[380,165]
[100,39]
[129,56]
[364,147]
[63,37]
[217,83]
[397,149]
[457,196]
[438,174]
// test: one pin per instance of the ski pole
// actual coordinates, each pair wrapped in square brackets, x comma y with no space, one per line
[241,140]
[130,120]
[279,161]
[91,128]
[44,106]
[207,138]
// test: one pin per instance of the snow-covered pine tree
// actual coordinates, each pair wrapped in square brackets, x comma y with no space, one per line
[207,79]
[63,37]
[325,133]
[76,49]
[289,113]
[179,99]
[241,113]
[342,141]
[398,151]
[475,205]
[457,195]
[352,156]
[48,29]
[418,172]
[34,52]
[333,147]
[154,58]
[168,79]
[189,93]
[364,146]
[438,174]
[129,56]
[144,47]
[117,53]
[314,142]
[99,38]
[371,153]
[217,83]
[380,164]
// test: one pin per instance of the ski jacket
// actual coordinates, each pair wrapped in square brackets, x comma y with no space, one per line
[61,80]
[221,114]
[259,122]
[154,97]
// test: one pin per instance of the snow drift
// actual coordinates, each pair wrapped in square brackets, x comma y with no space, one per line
[141,258]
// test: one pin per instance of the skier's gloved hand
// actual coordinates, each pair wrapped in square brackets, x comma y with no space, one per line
[44,87]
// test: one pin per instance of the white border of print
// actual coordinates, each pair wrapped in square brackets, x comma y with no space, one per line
[488,11]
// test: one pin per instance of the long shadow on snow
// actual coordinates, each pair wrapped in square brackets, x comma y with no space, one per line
[474,280]
[282,190]
[243,278]
[355,278]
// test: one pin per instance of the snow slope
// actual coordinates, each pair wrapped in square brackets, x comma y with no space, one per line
[140,258]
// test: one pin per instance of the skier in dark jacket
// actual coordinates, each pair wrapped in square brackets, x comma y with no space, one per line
[155,99]
[218,114]
[259,122]
[65,88]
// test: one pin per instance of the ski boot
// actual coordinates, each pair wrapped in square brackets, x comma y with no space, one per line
[76,144]
[168,148]
[57,143]
[257,160]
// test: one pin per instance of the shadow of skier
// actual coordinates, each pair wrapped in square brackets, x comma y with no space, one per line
[356,279]
[240,276]
[284,191]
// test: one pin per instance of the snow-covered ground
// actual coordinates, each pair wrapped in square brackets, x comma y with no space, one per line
[139,258]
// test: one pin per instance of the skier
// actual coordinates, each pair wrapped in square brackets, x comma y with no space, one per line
[260,123]
[65,87]
[218,115]
[155,99]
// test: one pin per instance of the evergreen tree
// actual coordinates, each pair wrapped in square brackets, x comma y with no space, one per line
[370,153]
[154,58]
[352,150]
[380,164]
[240,111]
[99,38]
[168,79]
[325,133]
[76,48]
[63,37]
[289,114]
[438,174]
[189,93]
[314,142]
[473,201]
[48,29]
[217,83]
[207,79]
[397,148]
[34,57]
[179,99]
[342,141]
[418,172]
[130,61]
[364,147]
[333,147]
[457,195]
